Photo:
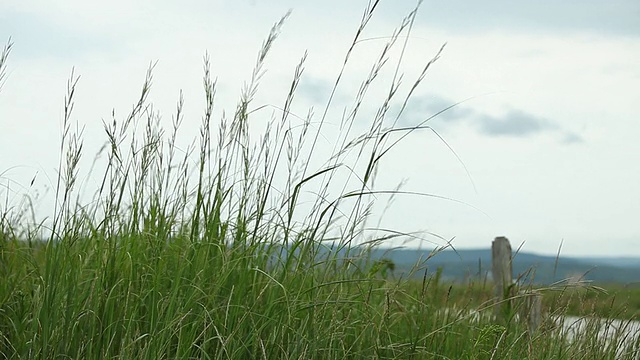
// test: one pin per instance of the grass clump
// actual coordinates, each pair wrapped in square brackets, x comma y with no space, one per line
[217,253]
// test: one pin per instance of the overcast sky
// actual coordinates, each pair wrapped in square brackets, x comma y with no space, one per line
[549,135]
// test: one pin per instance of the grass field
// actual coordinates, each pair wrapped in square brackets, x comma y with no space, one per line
[161,264]
[603,301]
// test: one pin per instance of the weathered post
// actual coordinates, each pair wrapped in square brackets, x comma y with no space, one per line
[530,308]
[531,312]
[502,273]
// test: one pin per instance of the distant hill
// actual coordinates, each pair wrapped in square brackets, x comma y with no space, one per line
[463,265]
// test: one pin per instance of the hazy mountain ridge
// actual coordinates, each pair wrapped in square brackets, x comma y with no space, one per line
[461,265]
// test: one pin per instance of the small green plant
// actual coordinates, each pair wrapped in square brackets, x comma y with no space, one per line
[382,267]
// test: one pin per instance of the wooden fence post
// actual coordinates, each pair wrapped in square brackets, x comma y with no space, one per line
[531,312]
[530,308]
[502,273]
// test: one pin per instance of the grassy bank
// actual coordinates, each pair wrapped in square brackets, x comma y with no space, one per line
[579,300]
[180,254]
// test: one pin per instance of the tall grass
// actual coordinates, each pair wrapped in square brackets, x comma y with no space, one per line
[212,253]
